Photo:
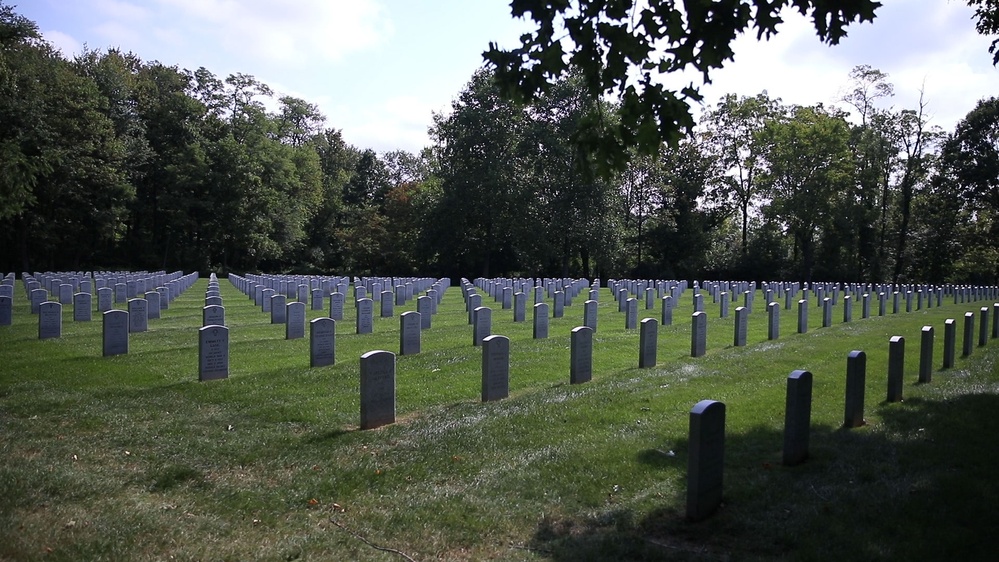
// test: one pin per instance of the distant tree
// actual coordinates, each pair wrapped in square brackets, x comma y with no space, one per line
[731,135]
[808,165]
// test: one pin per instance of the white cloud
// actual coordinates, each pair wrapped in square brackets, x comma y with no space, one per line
[119,34]
[294,32]
[122,10]
[396,123]
[64,42]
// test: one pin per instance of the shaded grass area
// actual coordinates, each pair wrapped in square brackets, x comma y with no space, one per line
[131,458]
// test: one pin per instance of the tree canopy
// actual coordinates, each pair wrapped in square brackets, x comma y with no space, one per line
[622,47]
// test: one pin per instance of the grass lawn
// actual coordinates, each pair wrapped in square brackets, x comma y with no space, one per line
[131,458]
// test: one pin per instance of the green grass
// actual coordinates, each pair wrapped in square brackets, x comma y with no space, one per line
[130,457]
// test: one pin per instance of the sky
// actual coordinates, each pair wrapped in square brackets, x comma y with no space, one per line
[379,69]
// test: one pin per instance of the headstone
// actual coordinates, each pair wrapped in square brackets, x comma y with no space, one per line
[802,316]
[153,304]
[856,375]
[138,315]
[65,293]
[698,303]
[698,334]
[847,309]
[667,311]
[104,299]
[49,320]
[483,325]
[317,299]
[882,303]
[495,368]
[648,343]
[950,342]
[366,317]
[797,417]
[705,459]
[519,306]
[120,292]
[322,342]
[474,301]
[409,333]
[294,327]
[425,306]
[590,314]
[741,326]
[6,311]
[377,388]
[558,308]
[865,309]
[336,306]
[926,355]
[209,301]
[82,303]
[164,297]
[213,353]
[279,309]
[387,305]
[723,304]
[983,326]
[114,332]
[37,296]
[631,314]
[507,298]
[581,355]
[969,334]
[773,321]
[896,368]
[213,315]
[540,321]
[826,312]
[995,320]
[267,300]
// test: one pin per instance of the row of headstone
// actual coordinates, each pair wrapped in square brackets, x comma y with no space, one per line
[707,419]
[139,309]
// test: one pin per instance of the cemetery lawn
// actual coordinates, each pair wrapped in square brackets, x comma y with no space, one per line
[131,458]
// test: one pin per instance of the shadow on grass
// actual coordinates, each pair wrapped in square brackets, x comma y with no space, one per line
[921,486]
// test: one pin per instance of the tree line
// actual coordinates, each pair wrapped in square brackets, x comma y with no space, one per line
[108,161]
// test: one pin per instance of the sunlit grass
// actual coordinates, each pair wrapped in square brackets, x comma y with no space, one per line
[130,457]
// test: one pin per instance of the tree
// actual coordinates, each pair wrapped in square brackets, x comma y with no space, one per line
[680,237]
[970,159]
[621,48]
[731,135]
[570,197]
[21,99]
[808,165]
[478,223]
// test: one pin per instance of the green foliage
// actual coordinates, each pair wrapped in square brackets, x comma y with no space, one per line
[620,47]
[111,160]
[809,163]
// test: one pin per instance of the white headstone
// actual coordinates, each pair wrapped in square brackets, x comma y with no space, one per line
[49,320]
[82,303]
[115,332]
[138,315]
[322,342]
[213,353]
